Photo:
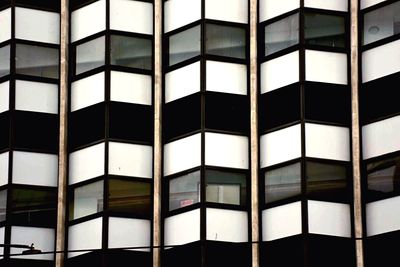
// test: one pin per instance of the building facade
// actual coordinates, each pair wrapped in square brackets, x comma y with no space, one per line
[199,132]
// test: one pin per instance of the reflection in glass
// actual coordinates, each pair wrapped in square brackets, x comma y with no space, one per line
[129,197]
[381,23]
[3,205]
[281,34]
[131,52]
[225,41]
[86,200]
[90,55]
[282,183]
[225,187]
[325,179]
[184,45]
[36,61]
[4,60]
[324,30]
[184,191]
[384,176]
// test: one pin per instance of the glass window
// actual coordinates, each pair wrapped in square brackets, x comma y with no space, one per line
[184,45]
[184,191]
[384,176]
[225,41]
[324,30]
[226,187]
[325,179]
[281,34]
[3,205]
[86,200]
[129,196]
[381,23]
[4,60]
[282,183]
[34,206]
[90,55]
[131,52]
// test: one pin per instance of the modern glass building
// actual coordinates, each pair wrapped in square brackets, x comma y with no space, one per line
[199,133]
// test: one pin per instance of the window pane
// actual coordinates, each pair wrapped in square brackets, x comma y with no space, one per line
[86,200]
[3,205]
[90,55]
[384,176]
[282,34]
[131,52]
[129,197]
[324,30]
[184,45]
[381,23]
[33,206]
[282,183]
[4,60]
[225,41]
[226,187]
[325,179]
[184,191]
[37,61]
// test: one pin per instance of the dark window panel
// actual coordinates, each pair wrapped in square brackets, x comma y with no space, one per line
[227,112]
[87,125]
[283,252]
[35,130]
[94,259]
[131,122]
[74,4]
[379,250]
[5,3]
[131,52]
[90,55]
[182,116]
[4,60]
[182,256]
[125,258]
[328,103]
[184,45]
[25,262]
[228,254]
[279,107]
[4,130]
[86,200]
[3,205]
[184,190]
[53,5]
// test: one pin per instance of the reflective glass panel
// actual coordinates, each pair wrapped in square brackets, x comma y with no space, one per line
[90,55]
[281,34]
[36,61]
[384,176]
[225,41]
[225,187]
[3,205]
[131,52]
[184,191]
[184,45]
[324,30]
[86,200]
[4,60]
[282,183]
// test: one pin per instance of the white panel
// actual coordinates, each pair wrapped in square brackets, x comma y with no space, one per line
[329,218]
[125,232]
[328,142]
[182,82]
[326,67]
[130,160]
[280,146]
[131,16]
[281,221]
[5,25]
[131,88]
[4,168]
[88,20]
[383,216]
[86,235]
[176,18]
[2,235]
[87,91]
[339,5]
[272,70]
[368,3]
[182,228]
[36,96]
[226,77]
[37,25]
[380,61]
[4,96]
[35,168]
[228,10]
[227,225]
[182,154]
[381,137]
[273,8]
[227,150]
[42,238]
[86,163]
